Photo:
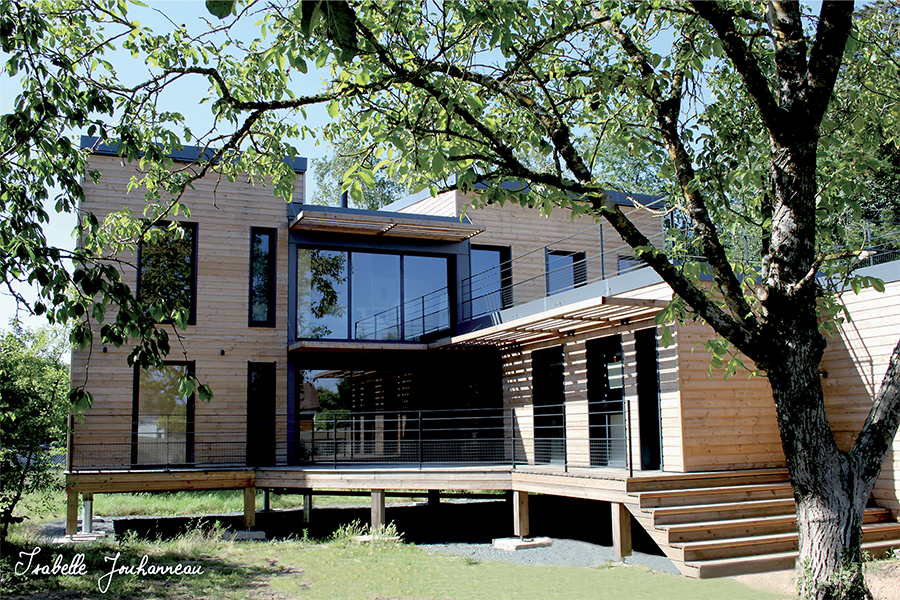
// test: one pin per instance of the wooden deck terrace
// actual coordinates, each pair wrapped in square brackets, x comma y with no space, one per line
[709,524]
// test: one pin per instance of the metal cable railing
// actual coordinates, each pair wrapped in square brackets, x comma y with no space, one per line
[418,318]
[571,262]
[594,436]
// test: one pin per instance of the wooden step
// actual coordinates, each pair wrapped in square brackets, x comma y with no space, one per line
[735,528]
[713,495]
[671,515]
[708,479]
[772,544]
[727,567]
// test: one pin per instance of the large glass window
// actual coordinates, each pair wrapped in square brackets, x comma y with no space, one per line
[321,294]
[369,296]
[163,425]
[262,277]
[167,270]
[565,270]
[375,289]
[426,301]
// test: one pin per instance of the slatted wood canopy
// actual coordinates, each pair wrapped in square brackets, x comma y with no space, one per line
[387,225]
[572,319]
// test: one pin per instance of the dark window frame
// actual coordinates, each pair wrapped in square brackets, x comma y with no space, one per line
[272,272]
[579,269]
[349,252]
[189,416]
[506,277]
[195,233]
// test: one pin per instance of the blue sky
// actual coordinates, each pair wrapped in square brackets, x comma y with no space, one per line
[191,13]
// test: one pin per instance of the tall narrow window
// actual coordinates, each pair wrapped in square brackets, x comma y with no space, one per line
[565,270]
[489,286]
[163,424]
[262,277]
[606,401]
[167,276]
[260,414]
[647,363]
[548,396]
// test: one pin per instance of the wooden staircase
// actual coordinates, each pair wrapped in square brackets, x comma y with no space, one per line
[732,523]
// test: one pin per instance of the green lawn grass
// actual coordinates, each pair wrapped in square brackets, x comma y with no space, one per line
[341,569]
[303,569]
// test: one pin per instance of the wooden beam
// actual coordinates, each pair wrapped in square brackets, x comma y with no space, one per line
[521,516]
[249,507]
[621,530]
[71,512]
[377,510]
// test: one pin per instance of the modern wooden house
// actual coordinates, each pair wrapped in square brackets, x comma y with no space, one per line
[414,348]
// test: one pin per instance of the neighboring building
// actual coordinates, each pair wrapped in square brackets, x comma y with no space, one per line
[415,348]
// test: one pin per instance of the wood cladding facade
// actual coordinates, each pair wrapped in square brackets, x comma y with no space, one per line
[706,423]
[220,344]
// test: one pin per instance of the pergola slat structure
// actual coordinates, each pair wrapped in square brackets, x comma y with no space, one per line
[594,313]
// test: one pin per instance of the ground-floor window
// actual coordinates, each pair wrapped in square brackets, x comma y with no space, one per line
[548,394]
[163,418]
[606,402]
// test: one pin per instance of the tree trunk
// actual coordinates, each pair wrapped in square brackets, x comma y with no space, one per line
[829,490]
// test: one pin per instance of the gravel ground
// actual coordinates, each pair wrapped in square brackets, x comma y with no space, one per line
[569,553]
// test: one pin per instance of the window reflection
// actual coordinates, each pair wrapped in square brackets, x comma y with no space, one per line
[376,296]
[321,294]
[427,303]
[357,295]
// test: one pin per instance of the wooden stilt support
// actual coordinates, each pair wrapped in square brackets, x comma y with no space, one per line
[621,530]
[71,512]
[307,507]
[267,506]
[521,525]
[377,510]
[434,497]
[87,513]
[249,507]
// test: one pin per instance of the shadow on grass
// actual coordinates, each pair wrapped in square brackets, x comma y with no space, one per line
[189,566]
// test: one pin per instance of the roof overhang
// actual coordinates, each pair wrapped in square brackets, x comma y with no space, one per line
[386,225]
[353,346]
[592,314]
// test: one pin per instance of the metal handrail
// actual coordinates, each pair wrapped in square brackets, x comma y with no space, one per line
[507,436]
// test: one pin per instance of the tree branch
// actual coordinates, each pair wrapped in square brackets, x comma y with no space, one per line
[744,62]
[827,53]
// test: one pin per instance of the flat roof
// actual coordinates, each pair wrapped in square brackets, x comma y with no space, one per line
[187,154]
[375,223]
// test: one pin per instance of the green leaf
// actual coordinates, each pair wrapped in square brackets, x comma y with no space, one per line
[220,8]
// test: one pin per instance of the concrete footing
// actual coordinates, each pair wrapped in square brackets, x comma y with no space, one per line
[242,536]
[515,543]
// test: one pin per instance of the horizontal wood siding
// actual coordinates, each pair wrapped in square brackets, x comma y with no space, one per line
[855,361]
[526,230]
[442,205]
[517,394]
[727,424]
[224,212]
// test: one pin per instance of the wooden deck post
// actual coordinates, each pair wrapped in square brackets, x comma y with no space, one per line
[434,497]
[249,507]
[71,512]
[87,513]
[307,507]
[621,530]
[521,524]
[377,510]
